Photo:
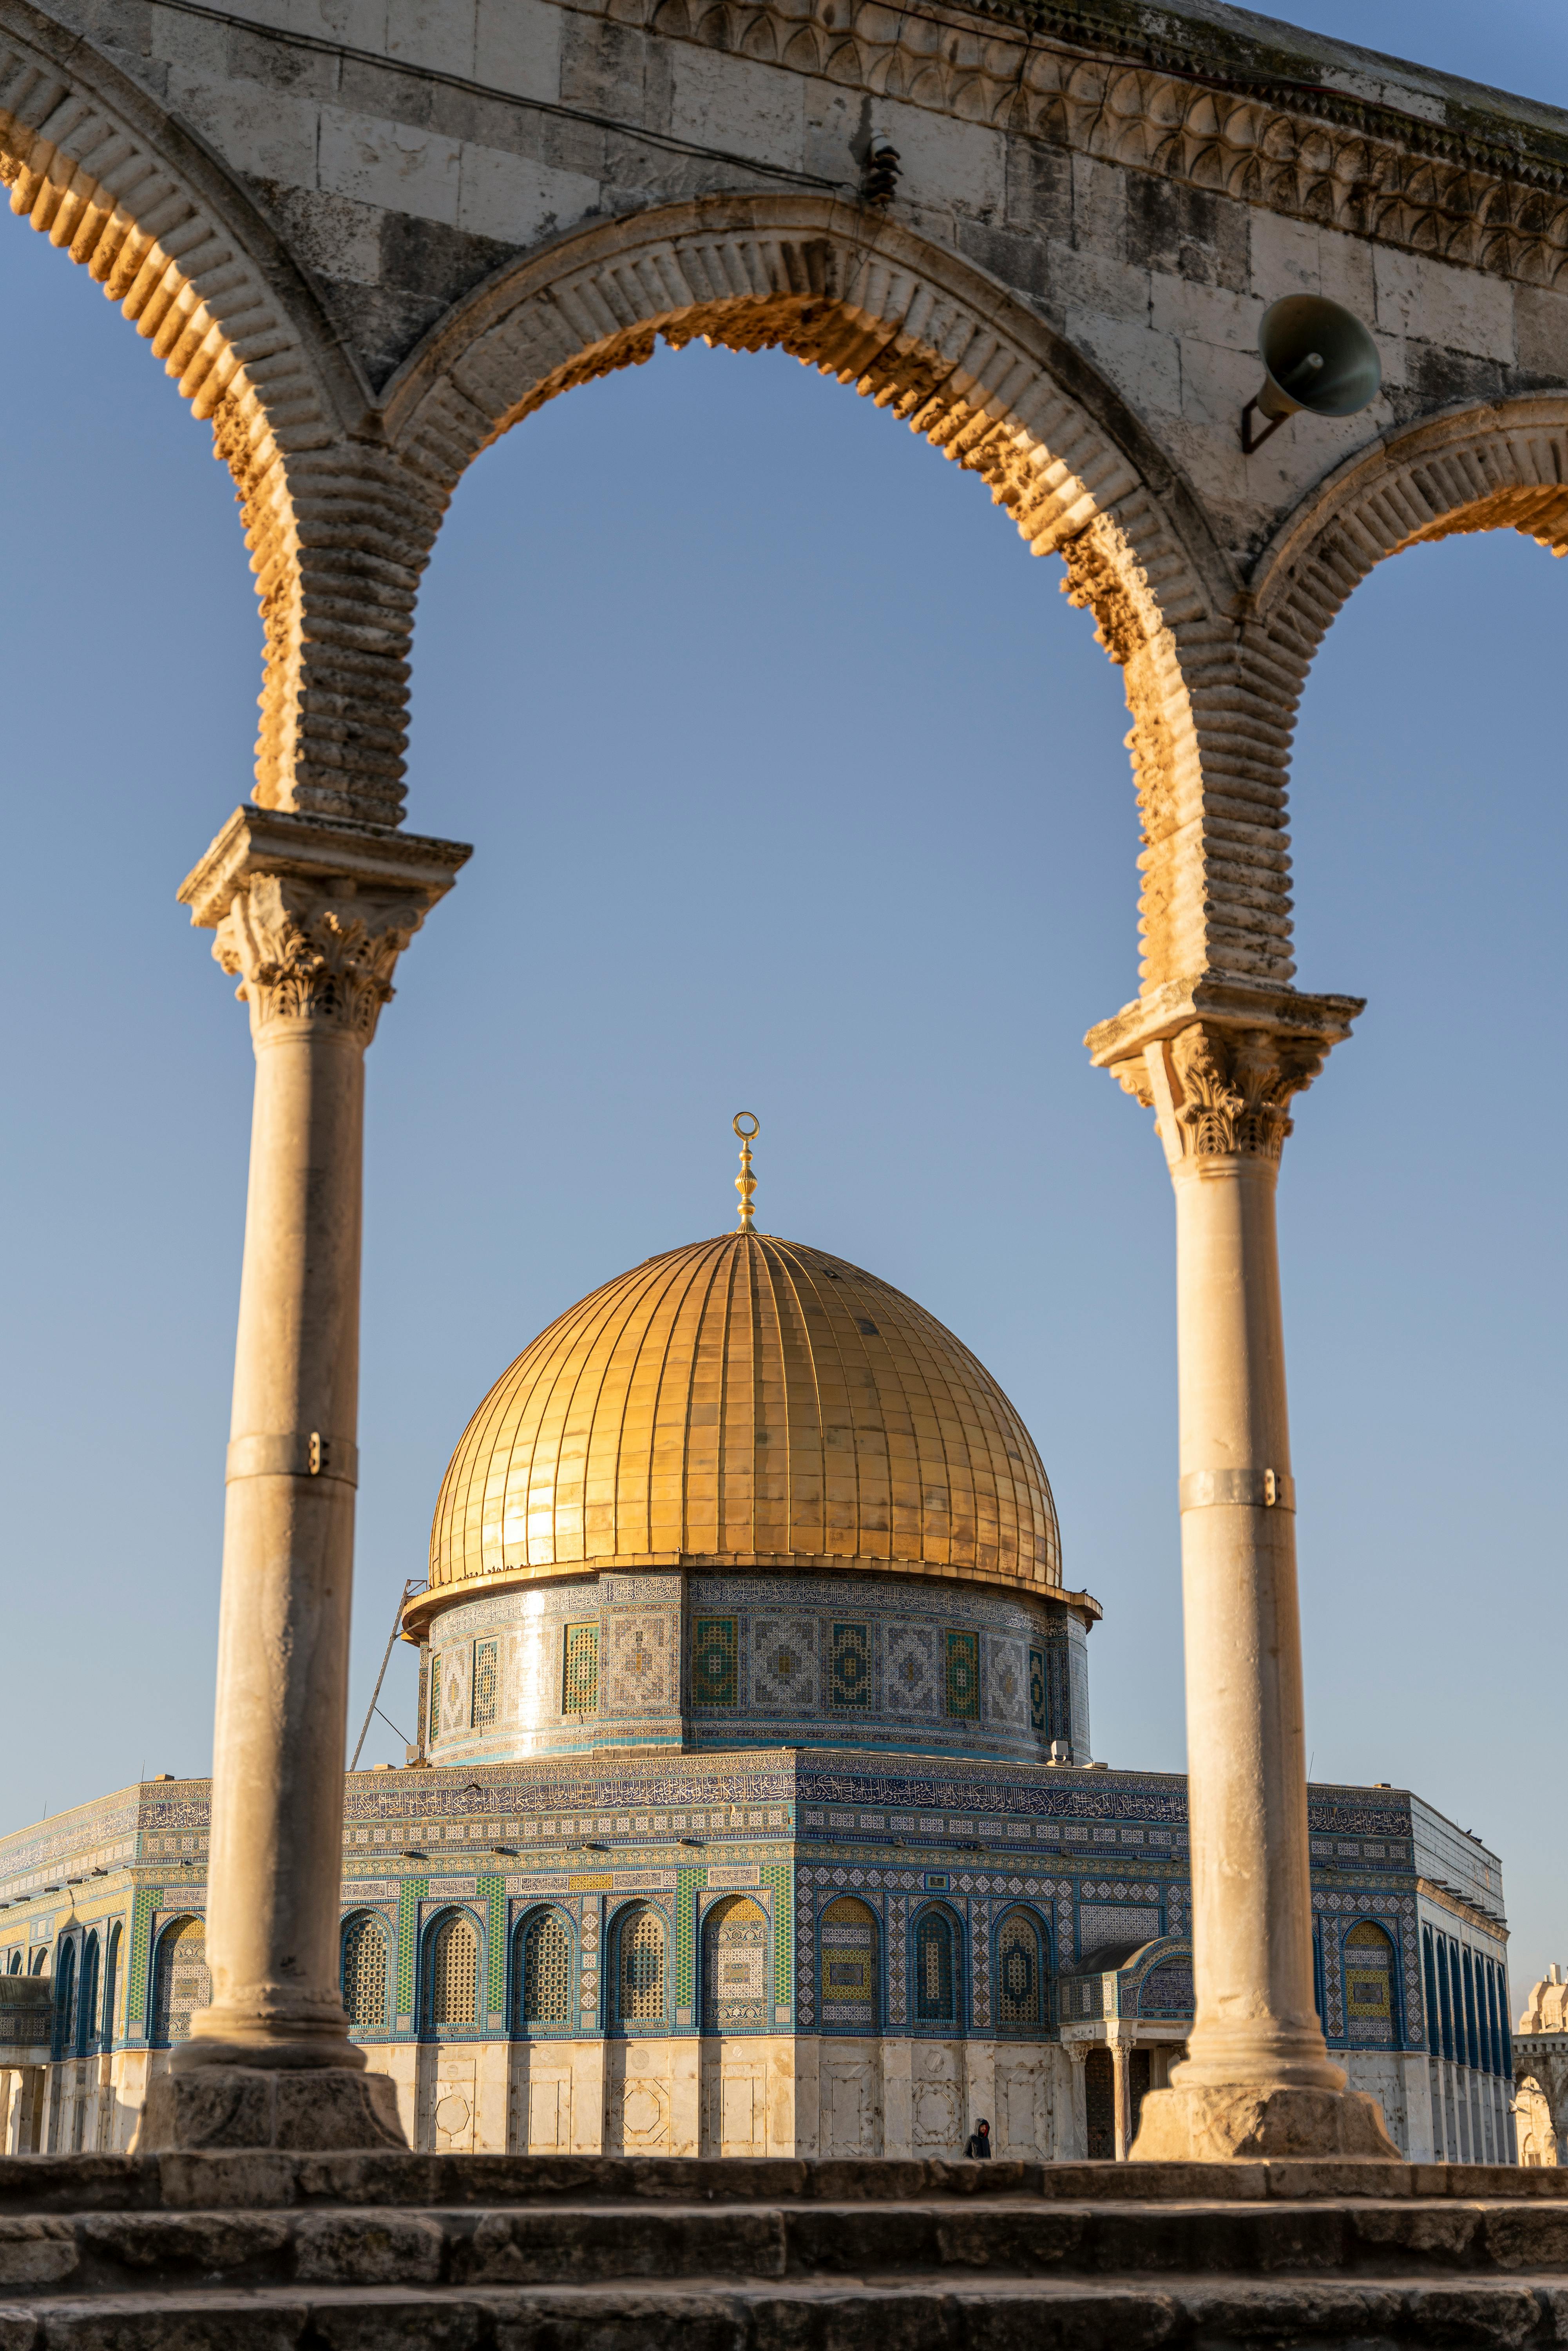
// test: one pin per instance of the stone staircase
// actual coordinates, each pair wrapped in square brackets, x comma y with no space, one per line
[373,2253]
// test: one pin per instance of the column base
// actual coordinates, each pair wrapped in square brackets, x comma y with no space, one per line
[311,2110]
[1247,2121]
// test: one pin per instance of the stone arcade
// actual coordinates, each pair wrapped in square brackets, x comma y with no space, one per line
[366,241]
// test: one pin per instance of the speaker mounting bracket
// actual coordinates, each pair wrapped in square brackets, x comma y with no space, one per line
[1251,440]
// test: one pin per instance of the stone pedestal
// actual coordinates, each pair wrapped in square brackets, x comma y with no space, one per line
[311,915]
[303,2110]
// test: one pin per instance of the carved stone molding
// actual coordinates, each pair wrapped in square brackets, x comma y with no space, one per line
[1219,1063]
[313,917]
[1217,111]
[305,953]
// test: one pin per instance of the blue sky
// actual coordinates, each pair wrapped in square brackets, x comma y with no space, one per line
[795,785]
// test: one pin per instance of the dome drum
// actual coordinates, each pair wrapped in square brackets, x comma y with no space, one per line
[714,1659]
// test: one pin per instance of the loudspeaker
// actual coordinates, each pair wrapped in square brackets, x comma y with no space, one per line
[1315,357]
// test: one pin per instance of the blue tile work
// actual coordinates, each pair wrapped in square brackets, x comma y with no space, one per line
[1089,1850]
[701,1656]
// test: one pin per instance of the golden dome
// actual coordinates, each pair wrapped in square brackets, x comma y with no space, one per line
[753,1403]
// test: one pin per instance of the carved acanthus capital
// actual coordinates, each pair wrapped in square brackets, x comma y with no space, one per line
[1219,1063]
[312,916]
[303,954]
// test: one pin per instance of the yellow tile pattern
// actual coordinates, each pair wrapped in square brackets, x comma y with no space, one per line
[746,1398]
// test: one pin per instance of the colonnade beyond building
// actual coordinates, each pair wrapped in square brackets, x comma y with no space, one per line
[360,265]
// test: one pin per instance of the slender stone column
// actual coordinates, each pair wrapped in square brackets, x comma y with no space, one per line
[1121,2101]
[1218,1066]
[312,916]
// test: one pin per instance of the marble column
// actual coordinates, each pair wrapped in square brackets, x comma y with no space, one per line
[311,916]
[1121,2098]
[1219,1065]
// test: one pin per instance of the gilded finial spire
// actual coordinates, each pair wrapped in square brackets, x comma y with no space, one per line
[745,1182]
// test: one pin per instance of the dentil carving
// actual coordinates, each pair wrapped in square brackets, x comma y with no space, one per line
[1226,1088]
[304,954]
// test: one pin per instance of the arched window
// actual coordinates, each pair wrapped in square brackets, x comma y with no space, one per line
[846,1936]
[111,1988]
[935,1970]
[66,2000]
[1021,1971]
[365,1971]
[39,1956]
[454,1973]
[735,1966]
[181,1984]
[544,1974]
[16,1966]
[1369,1986]
[640,1968]
[87,2003]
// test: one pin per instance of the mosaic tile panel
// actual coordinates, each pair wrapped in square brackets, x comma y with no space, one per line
[735,1974]
[779,1875]
[687,1883]
[784,1664]
[980,1968]
[1037,1713]
[411,1893]
[1007,1683]
[961,1654]
[1101,1924]
[641,1668]
[492,1893]
[716,1662]
[487,1682]
[456,1686]
[909,1671]
[850,1667]
[579,1669]
[147,1900]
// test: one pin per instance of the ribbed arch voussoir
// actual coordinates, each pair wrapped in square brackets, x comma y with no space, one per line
[1502,467]
[336,541]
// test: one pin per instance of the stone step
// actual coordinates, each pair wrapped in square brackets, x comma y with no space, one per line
[566,2242]
[71,2183]
[1194,2313]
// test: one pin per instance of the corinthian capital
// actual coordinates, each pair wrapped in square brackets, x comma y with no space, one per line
[1219,1061]
[313,915]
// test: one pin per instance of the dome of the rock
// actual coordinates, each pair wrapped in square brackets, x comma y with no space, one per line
[746,1401]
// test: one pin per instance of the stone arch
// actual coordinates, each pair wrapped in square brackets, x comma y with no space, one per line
[452,1993]
[640,1969]
[367,1969]
[544,1970]
[66,1999]
[849,1947]
[1369,1966]
[93,163]
[1502,467]
[975,371]
[1020,1970]
[938,1972]
[735,1966]
[180,1981]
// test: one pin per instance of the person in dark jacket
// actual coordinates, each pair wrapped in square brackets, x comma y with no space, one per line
[979,2142]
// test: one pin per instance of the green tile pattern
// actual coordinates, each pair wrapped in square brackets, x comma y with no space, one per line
[492,1893]
[687,1882]
[147,1898]
[411,1893]
[781,1876]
